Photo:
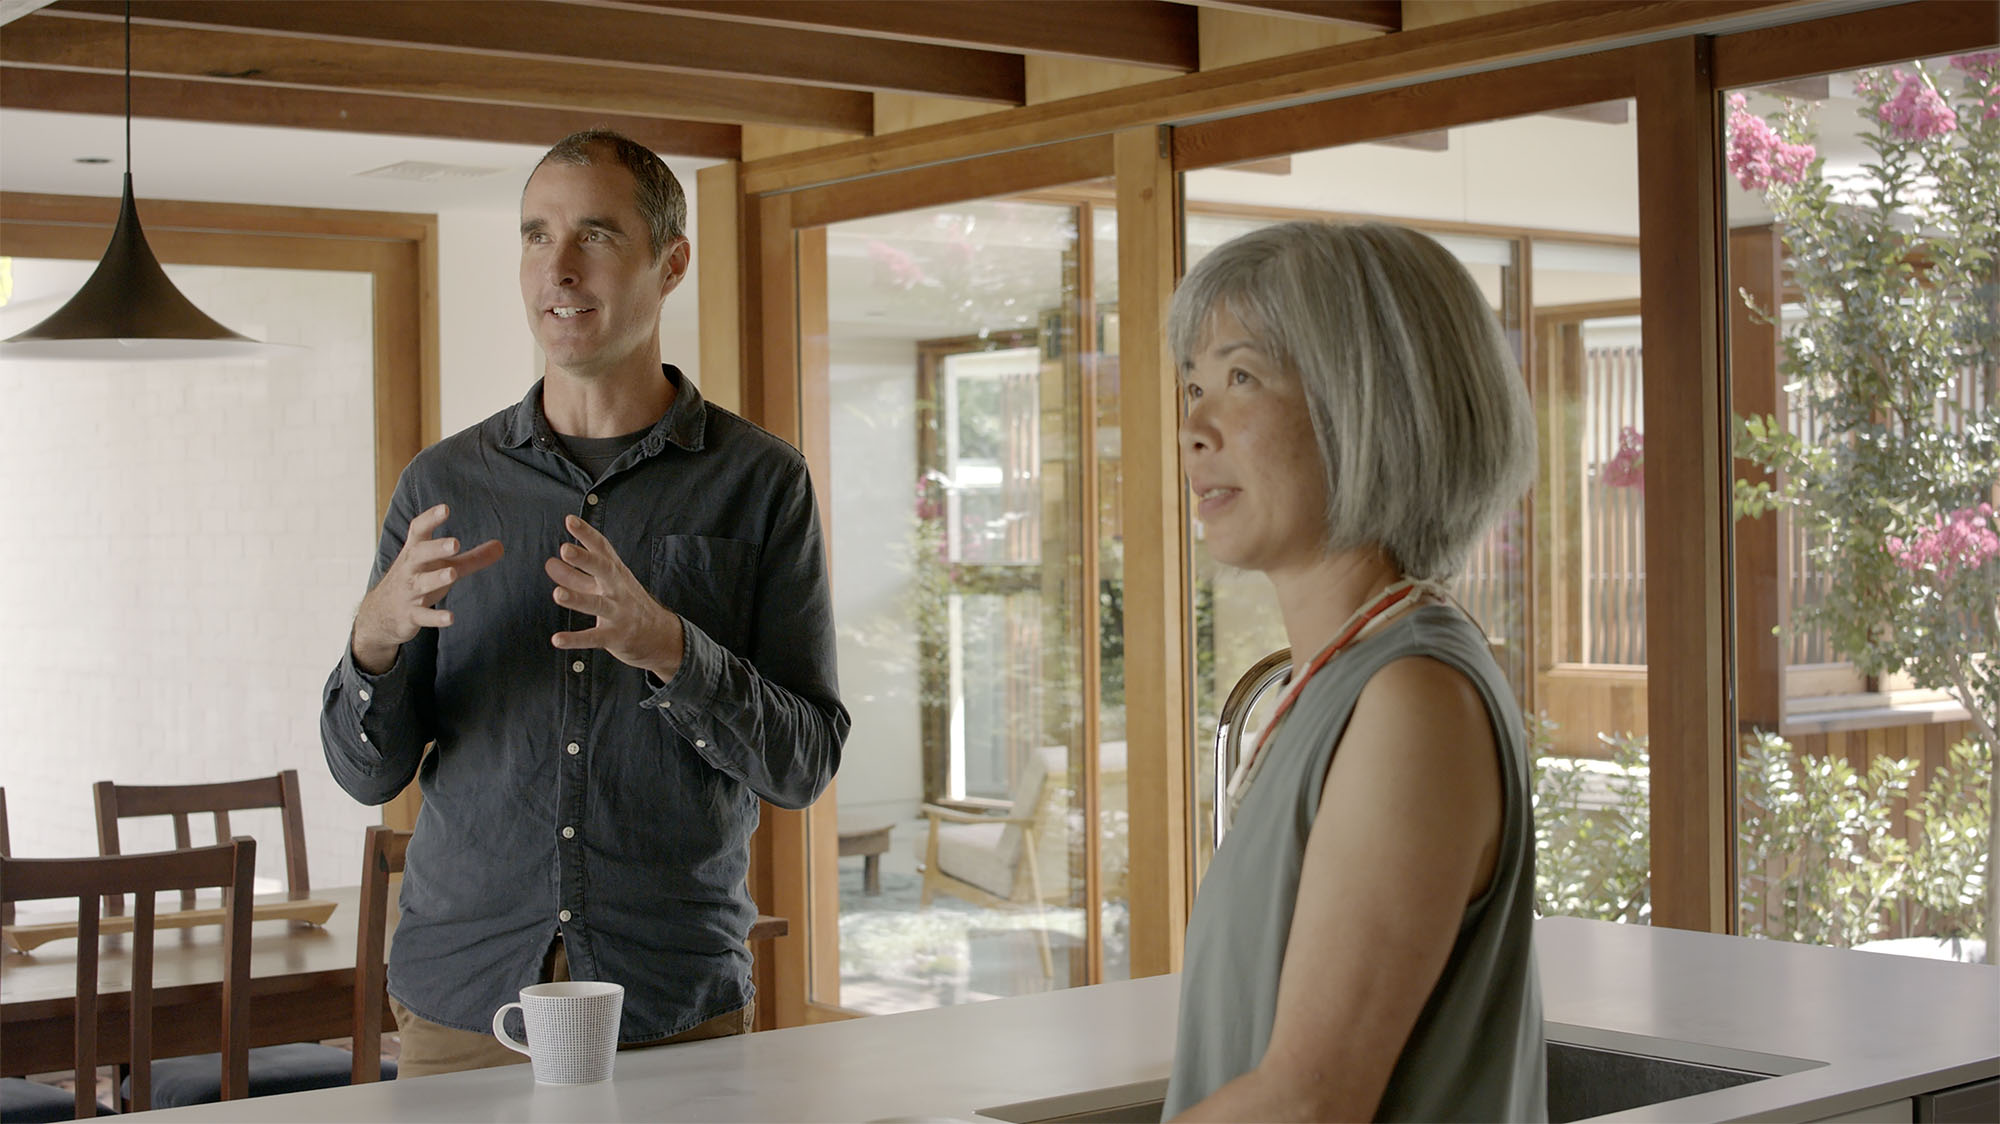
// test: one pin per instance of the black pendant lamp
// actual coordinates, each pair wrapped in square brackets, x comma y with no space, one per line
[129,309]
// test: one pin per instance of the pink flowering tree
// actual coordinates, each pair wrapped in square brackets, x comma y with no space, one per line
[1896,345]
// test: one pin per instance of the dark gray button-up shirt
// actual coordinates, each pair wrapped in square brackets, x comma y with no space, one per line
[569,793]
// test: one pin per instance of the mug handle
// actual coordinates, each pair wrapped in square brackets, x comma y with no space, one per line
[500,1029]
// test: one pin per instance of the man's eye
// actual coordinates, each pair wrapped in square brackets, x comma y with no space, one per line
[1239,376]
[1193,392]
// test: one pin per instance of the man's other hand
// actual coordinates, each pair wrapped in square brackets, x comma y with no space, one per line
[590,578]
[403,602]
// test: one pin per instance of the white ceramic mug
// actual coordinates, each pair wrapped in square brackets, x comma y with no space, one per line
[572,1030]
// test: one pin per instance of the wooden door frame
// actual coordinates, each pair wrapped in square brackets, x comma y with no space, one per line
[397,251]
[782,344]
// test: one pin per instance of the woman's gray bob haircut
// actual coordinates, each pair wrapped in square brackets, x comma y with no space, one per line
[661,201]
[1423,424]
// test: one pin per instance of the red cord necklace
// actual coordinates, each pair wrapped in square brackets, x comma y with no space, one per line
[1357,624]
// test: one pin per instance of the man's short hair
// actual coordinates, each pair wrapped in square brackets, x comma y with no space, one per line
[1424,428]
[659,195]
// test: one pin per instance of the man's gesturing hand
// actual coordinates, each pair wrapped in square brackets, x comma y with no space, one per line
[591,578]
[401,603]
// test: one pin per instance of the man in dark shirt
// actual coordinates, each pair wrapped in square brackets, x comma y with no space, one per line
[638,648]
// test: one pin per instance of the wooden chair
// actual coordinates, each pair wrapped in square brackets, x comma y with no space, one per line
[229,866]
[298,1066]
[116,802]
[989,859]
[381,856]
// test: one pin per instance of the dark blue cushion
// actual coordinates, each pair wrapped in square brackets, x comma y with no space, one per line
[290,1068]
[33,1101]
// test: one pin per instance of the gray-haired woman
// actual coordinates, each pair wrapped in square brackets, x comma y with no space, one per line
[1361,947]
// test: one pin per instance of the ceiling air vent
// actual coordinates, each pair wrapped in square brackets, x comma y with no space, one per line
[424,171]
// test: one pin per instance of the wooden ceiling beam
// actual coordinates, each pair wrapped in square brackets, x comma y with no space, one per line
[609,37]
[175,99]
[1135,32]
[1375,15]
[270,60]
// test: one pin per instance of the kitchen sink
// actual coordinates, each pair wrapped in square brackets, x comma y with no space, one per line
[1611,1073]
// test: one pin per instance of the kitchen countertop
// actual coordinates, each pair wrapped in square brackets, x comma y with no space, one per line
[1885,1027]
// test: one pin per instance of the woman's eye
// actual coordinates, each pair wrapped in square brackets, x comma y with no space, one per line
[1238,377]
[1193,392]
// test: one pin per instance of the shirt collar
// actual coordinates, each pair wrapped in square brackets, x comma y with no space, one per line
[685,422]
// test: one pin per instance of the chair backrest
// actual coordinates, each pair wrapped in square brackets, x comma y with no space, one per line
[381,856]
[231,866]
[126,801]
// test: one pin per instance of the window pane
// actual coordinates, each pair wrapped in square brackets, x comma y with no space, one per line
[1863,353]
[1543,213]
[958,531]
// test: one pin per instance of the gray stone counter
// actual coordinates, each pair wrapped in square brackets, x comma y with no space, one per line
[1850,1035]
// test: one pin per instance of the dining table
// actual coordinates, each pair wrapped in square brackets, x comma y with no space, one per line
[301,988]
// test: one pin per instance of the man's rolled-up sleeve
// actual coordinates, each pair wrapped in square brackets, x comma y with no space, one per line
[374,727]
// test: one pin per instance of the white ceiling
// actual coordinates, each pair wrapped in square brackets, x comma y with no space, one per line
[213,163]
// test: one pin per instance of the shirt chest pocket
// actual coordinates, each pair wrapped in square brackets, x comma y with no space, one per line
[709,581]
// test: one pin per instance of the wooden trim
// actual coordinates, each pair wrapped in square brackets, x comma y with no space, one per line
[1005,173]
[45,39]
[1491,42]
[718,245]
[1534,88]
[1858,39]
[1756,265]
[781,853]
[815,440]
[1374,15]
[399,251]
[1689,650]
[1157,688]
[777,326]
[607,36]
[1138,32]
[181,99]
[1082,350]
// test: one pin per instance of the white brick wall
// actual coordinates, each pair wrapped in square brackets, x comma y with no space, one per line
[181,549]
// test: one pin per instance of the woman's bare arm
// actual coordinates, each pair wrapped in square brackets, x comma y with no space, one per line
[1407,834]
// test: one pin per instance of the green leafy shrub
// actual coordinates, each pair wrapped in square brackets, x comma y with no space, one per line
[1818,854]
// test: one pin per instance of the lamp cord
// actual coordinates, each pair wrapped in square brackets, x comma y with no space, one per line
[128,87]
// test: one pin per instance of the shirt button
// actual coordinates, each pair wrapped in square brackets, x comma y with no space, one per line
[364,735]
[591,499]
[700,743]
[563,916]
[577,666]
[666,705]
[364,696]
[573,748]
[569,833]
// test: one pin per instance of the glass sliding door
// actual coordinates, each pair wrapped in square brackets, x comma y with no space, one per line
[962,410]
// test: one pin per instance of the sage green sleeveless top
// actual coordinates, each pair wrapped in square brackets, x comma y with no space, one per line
[1476,1052]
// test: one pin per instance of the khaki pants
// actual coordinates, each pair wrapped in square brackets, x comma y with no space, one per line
[428,1048]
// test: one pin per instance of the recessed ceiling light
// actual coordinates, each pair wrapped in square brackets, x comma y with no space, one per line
[93,159]
[424,171]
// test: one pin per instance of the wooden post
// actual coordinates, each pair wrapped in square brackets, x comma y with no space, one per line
[1689,648]
[1156,663]
[1755,270]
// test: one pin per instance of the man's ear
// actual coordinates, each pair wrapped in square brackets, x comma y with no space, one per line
[677,255]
